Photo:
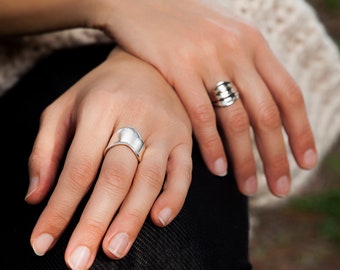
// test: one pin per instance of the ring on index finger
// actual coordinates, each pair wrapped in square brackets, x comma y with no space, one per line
[129,137]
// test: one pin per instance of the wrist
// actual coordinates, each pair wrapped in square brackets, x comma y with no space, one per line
[107,15]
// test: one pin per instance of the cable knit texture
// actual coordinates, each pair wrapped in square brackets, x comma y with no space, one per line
[305,49]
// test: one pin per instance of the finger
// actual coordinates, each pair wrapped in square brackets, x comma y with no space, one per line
[47,152]
[266,122]
[113,184]
[195,98]
[175,189]
[289,98]
[146,186]
[79,171]
[235,124]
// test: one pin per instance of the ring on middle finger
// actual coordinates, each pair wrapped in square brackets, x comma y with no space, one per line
[129,137]
[224,94]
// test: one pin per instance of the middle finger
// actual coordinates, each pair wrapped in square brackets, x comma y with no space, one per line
[116,175]
[144,190]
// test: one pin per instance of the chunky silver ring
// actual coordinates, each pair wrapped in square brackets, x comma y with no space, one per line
[224,94]
[129,137]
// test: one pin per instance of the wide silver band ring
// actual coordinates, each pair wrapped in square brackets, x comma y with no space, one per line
[224,94]
[129,137]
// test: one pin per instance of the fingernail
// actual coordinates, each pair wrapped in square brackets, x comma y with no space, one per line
[282,186]
[310,158]
[79,258]
[33,185]
[164,216]
[220,167]
[250,185]
[42,243]
[119,244]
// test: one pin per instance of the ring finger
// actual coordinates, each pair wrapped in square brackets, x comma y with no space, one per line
[116,175]
[234,122]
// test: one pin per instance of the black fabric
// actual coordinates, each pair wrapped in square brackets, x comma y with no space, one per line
[211,232]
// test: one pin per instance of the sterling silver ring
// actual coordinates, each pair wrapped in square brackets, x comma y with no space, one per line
[129,137]
[224,94]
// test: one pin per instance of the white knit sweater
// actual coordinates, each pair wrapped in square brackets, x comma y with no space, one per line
[294,33]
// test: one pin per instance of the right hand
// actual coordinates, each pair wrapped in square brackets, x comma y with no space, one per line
[195,44]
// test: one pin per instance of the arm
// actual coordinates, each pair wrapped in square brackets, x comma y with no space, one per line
[35,16]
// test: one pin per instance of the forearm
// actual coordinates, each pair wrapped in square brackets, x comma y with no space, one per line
[35,16]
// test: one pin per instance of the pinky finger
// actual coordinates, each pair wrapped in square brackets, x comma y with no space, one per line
[176,186]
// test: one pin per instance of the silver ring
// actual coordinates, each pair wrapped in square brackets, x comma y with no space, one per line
[129,137]
[224,94]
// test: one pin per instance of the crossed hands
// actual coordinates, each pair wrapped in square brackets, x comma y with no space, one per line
[168,55]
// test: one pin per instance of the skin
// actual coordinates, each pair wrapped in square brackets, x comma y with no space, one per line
[178,39]
[97,103]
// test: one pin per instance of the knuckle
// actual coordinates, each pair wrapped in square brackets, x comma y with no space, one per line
[269,117]
[294,96]
[207,48]
[212,141]
[204,114]
[135,216]
[57,220]
[80,173]
[115,179]
[233,40]
[240,35]
[97,93]
[239,121]
[94,230]
[277,163]
[97,100]
[252,32]
[238,39]
[153,176]
[188,55]
[248,167]
[247,162]
[304,136]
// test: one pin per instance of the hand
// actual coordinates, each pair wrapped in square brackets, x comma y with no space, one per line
[108,98]
[195,44]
